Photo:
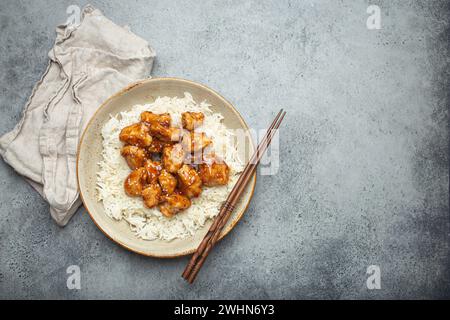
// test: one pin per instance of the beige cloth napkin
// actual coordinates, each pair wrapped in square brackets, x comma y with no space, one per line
[88,63]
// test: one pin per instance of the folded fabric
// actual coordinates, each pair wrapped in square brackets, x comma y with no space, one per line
[88,63]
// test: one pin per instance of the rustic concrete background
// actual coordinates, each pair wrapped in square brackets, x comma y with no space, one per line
[364,151]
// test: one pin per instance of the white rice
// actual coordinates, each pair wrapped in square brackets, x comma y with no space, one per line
[150,224]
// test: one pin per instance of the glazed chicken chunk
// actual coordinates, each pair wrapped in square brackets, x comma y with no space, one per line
[156,146]
[167,134]
[137,134]
[135,181]
[151,195]
[192,120]
[173,204]
[163,119]
[190,181]
[134,156]
[167,182]
[195,141]
[214,173]
[153,170]
[173,157]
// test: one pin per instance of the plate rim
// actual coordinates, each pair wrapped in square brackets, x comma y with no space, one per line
[124,90]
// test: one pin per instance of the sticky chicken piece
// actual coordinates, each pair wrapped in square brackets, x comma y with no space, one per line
[153,170]
[151,195]
[173,157]
[166,134]
[192,120]
[135,181]
[156,146]
[167,182]
[134,156]
[214,173]
[199,157]
[194,142]
[173,204]
[163,119]
[137,134]
[190,181]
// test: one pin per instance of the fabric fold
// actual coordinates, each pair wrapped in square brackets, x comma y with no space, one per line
[87,64]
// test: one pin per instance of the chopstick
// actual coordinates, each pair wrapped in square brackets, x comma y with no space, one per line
[211,238]
[213,234]
[233,193]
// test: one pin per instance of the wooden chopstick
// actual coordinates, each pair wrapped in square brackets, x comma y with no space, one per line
[201,248]
[230,206]
[222,212]
[216,228]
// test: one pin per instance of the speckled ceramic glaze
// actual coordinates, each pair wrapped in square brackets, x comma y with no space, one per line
[89,155]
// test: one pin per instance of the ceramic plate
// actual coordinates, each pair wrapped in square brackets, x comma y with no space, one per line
[89,155]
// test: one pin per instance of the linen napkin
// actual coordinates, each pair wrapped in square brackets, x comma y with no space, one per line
[88,63]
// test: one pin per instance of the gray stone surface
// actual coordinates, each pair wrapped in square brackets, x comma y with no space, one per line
[364,151]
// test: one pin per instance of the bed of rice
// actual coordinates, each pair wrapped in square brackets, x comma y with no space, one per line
[150,224]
